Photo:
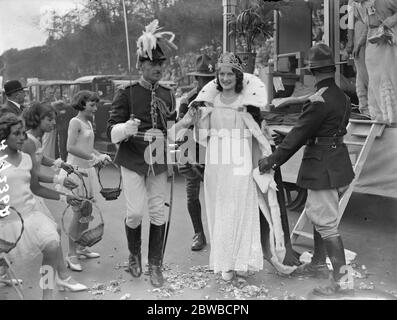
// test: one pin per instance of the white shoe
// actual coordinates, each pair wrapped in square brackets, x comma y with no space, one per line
[84,252]
[73,266]
[5,281]
[227,275]
[66,284]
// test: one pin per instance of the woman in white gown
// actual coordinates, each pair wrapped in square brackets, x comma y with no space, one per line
[232,199]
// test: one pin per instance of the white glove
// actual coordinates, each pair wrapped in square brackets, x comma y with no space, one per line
[121,131]
[94,160]
[105,158]
[131,127]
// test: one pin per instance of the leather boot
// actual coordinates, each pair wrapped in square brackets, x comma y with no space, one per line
[134,246]
[199,241]
[156,238]
[336,253]
[317,268]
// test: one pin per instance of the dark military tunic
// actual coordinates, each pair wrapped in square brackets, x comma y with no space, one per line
[136,99]
[326,114]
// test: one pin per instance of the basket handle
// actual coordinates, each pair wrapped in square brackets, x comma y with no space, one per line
[22,228]
[78,174]
[64,213]
[99,176]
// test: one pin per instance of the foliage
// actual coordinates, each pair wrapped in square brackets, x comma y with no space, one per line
[91,40]
[255,22]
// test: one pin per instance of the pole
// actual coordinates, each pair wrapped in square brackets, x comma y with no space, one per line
[229,10]
[127,38]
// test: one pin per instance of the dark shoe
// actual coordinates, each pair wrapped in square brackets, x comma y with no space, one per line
[134,246]
[156,239]
[312,270]
[199,241]
[156,276]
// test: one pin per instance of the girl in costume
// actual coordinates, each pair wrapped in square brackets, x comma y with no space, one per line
[19,173]
[81,153]
[40,119]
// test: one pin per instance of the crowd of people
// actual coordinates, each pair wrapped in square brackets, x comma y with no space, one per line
[246,220]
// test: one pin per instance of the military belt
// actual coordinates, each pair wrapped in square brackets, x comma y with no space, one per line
[325,141]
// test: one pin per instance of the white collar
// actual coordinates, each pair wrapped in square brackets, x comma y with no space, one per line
[254,92]
[16,103]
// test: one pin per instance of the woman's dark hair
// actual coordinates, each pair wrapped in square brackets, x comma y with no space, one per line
[7,120]
[82,97]
[37,112]
[239,81]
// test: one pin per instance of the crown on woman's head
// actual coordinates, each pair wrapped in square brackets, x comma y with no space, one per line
[228,59]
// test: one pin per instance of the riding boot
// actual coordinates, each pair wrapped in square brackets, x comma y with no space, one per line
[291,256]
[156,239]
[134,246]
[317,267]
[199,240]
[336,253]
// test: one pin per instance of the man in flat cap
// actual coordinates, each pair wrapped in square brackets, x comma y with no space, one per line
[326,169]
[141,111]
[15,94]
[193,171]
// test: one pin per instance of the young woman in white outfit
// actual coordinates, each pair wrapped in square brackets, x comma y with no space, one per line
[39,119]
[81,154]
[19,181]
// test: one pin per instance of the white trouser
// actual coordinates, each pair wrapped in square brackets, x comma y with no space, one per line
[144,193]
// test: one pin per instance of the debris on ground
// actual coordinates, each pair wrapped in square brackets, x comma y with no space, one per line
[99,289]
[177,281]
[125,297]
[364,286]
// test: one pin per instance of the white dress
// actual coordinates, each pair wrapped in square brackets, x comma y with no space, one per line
[230,192]
[39,230]
[41,206]
[85,141]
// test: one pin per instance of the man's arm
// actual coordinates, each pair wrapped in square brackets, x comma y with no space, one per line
[119,116]
[308,124]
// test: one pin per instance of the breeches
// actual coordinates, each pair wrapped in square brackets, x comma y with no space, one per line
[322,208]
[144,194]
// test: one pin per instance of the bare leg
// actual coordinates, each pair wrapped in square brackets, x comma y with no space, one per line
[75,230]
[50,259]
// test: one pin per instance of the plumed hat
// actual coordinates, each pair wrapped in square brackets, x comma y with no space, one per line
[152,42]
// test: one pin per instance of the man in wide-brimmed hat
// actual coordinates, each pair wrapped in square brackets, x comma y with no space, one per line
[326,169]
[15,94]
[140,110]
[193,172]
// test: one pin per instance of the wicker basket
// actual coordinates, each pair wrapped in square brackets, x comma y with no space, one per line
[90,236]
[109,193]
[6,246]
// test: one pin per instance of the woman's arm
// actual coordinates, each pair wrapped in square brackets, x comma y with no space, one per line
[47,193]
[30,148]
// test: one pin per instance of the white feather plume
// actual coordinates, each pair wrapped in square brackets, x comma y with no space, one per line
[151,37]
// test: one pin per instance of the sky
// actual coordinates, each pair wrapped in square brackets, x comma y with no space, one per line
[21,21]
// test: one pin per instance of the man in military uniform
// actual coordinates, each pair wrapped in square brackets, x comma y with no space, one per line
[193,172]
[326,169]
[140,113]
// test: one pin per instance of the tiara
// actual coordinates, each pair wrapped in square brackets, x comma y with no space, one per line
[230,60]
